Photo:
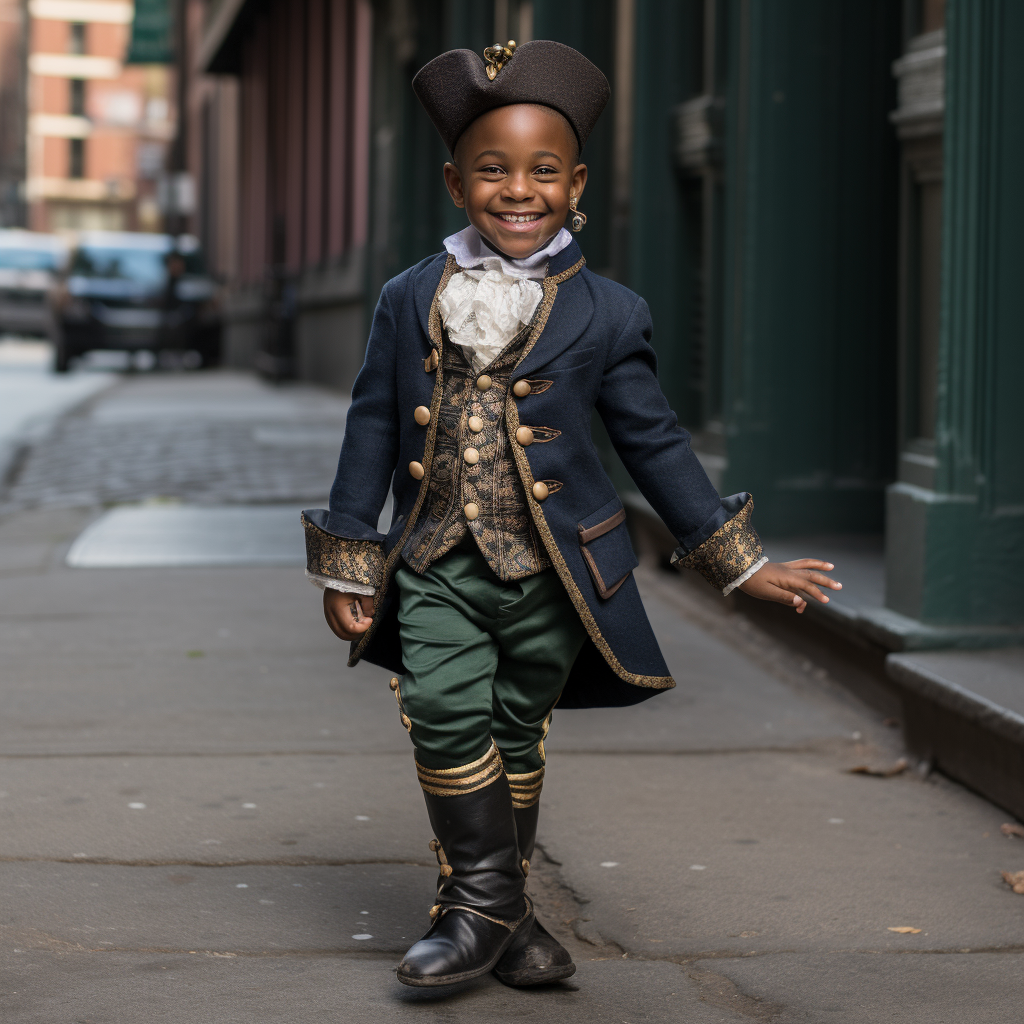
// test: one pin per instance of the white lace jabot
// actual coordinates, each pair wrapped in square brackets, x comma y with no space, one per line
[486,305]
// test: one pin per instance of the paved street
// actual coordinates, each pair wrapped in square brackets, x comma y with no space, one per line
[204,816]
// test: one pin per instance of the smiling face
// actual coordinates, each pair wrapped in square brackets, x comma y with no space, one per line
[515,168]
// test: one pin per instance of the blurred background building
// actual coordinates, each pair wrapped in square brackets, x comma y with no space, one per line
[98,124]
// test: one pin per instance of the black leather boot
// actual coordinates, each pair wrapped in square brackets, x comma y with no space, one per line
[542,958]
[482,910]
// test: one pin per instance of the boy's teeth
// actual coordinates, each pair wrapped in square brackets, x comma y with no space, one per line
[513,219]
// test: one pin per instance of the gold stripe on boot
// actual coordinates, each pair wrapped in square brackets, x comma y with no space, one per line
[526,788]
[466,779]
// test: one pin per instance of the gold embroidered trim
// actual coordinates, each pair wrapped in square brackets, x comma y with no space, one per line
[467,778]
[729,552]
[339,558]
[526,788]
[406,721]
[550,285]
[440,909]
[435,334]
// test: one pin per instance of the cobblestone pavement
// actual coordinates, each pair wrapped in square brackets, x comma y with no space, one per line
[218,438]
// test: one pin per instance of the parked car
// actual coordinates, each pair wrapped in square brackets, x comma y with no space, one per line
[136,292]
[29,264]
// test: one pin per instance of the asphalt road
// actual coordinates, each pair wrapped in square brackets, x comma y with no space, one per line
[204,816]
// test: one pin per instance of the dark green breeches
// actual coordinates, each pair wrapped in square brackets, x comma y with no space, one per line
[485,660]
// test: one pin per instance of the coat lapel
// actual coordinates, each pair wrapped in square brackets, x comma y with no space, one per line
[424,290]
[570,314]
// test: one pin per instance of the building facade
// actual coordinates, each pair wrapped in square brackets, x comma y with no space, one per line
[815,199]
[97,128]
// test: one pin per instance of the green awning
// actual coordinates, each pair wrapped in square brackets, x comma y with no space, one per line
[152,33]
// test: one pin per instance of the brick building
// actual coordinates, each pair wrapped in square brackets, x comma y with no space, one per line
[97,128]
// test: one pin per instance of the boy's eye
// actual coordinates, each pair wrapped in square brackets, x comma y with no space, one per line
[491,169]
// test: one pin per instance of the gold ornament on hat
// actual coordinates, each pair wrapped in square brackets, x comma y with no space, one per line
[497,56]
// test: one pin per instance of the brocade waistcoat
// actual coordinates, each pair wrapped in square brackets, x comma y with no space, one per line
[503,529]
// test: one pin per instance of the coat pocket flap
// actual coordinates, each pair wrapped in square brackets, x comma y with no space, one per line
[605,546]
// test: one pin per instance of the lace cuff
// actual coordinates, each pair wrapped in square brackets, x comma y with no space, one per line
[340,560]
[345,586]
[731,555]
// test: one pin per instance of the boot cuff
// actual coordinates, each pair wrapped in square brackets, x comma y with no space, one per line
[466,779]
[526,788]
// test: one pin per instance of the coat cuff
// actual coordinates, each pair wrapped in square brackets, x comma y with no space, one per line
[730,552]
[329,557]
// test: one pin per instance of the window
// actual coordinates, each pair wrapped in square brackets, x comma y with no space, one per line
[76,38]
[76,98]
[76,158]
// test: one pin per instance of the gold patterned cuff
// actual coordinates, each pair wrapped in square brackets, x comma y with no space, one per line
[339,558]
[526,788]
[467,778]
[729,552]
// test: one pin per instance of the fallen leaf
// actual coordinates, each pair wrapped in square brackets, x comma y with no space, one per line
[906,929]
[882,773]
[1012,829]
[1015,880]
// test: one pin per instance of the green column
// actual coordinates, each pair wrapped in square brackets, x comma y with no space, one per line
[808,360]
[956,552]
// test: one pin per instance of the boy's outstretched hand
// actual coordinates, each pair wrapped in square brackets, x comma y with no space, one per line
[787,582]
[349,615]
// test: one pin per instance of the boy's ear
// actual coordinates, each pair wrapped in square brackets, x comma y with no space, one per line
[453,180]
[579,180]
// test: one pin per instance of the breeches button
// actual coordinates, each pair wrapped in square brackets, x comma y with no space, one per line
[476,424]
[540,490]
[416,470]
[472,510]
[483,382]
[524,435]
[521,389]
[472,456]
[421,415]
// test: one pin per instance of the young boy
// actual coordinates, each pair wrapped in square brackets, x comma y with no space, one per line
[504,584]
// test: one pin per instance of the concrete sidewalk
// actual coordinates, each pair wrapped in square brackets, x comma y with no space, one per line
[205,816]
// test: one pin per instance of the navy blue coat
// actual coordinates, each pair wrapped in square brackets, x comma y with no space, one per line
[595,350]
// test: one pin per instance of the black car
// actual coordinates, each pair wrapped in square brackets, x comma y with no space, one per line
[29,265]
[136,292]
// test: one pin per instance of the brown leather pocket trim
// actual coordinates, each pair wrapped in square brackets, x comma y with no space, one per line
[542,434]
[586,536]
[603,590]
[538,387]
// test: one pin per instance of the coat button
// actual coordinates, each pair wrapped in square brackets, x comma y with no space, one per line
[430,363]
[540,490]
[416,470]
[483,382]
[421,415]
[476,424]
[524,435]
[521,389]
[472,510]
[472,456]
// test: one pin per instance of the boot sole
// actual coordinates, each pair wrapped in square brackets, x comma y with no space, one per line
[527,977]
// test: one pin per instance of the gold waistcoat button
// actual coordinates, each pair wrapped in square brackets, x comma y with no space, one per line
[416,470]
[483,382]
[421,415]
[472,456]
[524,435]
[472,510]
[476,424]
[540,490]
[521,389]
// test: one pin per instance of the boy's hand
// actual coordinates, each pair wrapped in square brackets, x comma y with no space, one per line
[348,615]
[786,582]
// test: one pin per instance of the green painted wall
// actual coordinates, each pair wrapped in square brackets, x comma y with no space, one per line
[956,553]
[810,279]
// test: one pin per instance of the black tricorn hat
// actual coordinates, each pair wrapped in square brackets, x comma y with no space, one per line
[458,86]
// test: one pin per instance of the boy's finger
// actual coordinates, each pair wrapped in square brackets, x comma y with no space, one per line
[809,563]
[783,596]
[805,586]
[825,581]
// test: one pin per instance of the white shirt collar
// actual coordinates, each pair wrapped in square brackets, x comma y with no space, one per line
[470,250]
